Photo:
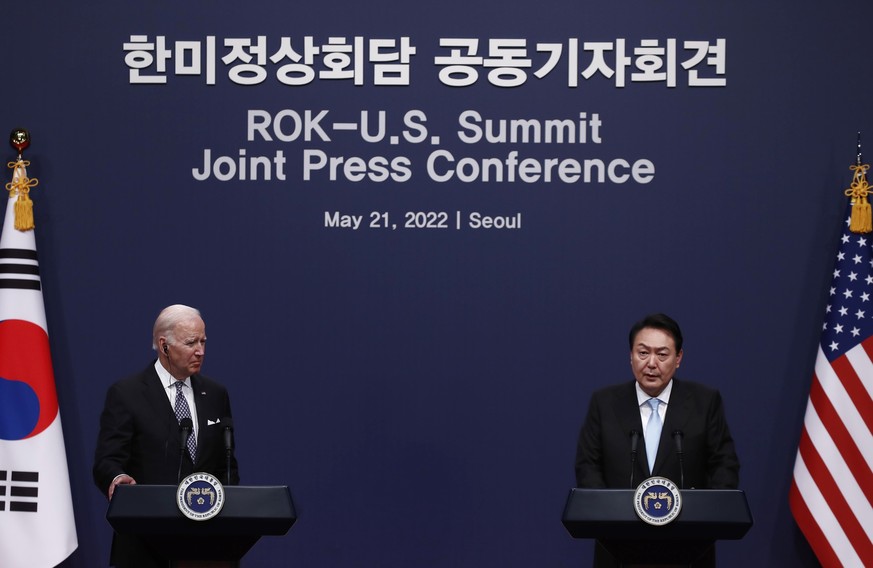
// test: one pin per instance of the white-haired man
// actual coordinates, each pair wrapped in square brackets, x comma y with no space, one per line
[139,440]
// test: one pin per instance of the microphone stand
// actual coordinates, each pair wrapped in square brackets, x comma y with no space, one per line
[228,446]
[635,439]
[677,439]
[185,426]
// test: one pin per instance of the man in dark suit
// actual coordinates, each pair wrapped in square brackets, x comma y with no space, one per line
[612,448]
[139,439]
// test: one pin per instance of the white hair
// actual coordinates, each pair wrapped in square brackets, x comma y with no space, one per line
[168,319]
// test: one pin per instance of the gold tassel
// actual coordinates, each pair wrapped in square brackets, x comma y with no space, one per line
[20,186]
[862,217]
[24,213]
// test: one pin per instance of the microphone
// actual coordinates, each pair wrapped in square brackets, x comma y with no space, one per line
[185,428]
[635,441]
[677,440]
[228,442]
[228,433]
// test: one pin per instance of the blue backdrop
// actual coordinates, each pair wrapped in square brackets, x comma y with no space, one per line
[420,389]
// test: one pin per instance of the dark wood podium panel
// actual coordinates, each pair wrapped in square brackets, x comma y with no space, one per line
[707,514]
[150,513]
[608,516]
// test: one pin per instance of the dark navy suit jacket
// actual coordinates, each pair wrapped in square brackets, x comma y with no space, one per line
[604,458]
[139,435]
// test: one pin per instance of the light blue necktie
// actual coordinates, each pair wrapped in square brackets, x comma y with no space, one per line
[653,432]
[184,411]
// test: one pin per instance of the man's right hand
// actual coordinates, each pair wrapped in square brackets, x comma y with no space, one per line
[122,479]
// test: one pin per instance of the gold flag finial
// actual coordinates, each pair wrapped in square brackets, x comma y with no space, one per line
[862,219]
[21,184]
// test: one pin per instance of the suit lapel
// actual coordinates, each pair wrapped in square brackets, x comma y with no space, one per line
[627,411]
[677,414]
[203,410]
[154,393]
[678,410]
[200,399]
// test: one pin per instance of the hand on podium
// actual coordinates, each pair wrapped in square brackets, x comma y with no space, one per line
[122,479]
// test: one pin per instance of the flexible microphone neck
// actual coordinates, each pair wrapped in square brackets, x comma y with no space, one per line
[634,441]
[677,440]
[228,443]
[185,428]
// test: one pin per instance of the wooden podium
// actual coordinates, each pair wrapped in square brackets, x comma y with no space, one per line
[608,516]
[150,513]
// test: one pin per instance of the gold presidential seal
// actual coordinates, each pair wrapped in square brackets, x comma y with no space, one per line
[200,496]
[657,501]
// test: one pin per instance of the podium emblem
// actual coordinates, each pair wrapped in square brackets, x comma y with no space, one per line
[200,496]
[657,501]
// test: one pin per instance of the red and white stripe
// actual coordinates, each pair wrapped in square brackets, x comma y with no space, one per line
[832,491]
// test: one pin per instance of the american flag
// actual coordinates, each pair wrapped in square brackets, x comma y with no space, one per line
[831,494]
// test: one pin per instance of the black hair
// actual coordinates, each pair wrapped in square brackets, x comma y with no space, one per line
[657,321]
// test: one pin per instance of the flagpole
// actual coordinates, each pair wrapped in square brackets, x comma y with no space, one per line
[833,470]
[37,524]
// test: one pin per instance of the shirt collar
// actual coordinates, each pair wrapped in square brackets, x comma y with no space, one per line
[168,380]
[664,397]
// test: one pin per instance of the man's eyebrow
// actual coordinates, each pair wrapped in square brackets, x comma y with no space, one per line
[661,348]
